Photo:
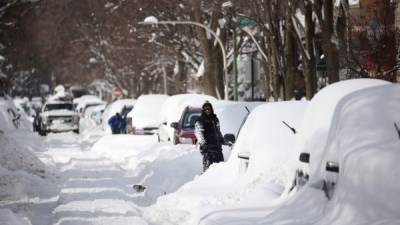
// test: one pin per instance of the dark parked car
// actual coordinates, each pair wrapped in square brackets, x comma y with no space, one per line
[184,128]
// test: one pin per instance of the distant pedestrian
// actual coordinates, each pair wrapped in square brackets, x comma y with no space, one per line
[209,137]
[117,124]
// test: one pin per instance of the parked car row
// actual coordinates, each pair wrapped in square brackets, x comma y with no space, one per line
[171,118]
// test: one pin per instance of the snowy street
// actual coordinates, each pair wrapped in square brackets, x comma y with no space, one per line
[64,178]
[94,190]
[97,189]
[116,112]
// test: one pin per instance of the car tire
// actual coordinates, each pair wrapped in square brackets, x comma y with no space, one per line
[76,131]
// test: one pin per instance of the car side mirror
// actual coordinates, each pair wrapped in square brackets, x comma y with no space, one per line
[304,157]
[174,125]
[165,123]
[332,167]
[229,139]
[102,111]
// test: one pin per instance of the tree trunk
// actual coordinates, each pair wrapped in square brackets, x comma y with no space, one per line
[275,71]
[212,80]
[325,19]
[290,54]
[310,78]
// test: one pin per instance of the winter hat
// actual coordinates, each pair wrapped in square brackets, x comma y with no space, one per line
[208,104]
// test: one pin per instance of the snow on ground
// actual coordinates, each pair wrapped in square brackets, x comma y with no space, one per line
[97,181]
[70,179]
[9,218]
[27,188]
[226,185]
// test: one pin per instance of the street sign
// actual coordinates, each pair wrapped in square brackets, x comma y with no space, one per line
[117,92]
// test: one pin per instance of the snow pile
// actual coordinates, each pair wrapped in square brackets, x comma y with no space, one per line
[365,142]
[16,155]
[229,192]
[90,124]
[318,118]
[227,184]
[161,167]
[8,117]
[120,147]
[146,112]
[23,177]
[9,218]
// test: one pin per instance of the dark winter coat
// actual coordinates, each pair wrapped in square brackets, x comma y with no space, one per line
[117,124]
[208,133]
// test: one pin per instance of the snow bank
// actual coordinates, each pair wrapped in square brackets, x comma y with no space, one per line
[17,186]
[119,147]
[365,143]
[227,184]
[8,111]
[23,177]
[146,112]
[17,144]
[313,133]
[364,140]
[9,218]
[91,122]
[161,167]
[17,155]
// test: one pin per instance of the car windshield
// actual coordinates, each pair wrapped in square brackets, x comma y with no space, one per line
[58,106]
[190,118]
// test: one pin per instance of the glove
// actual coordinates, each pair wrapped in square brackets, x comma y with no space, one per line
[203,149]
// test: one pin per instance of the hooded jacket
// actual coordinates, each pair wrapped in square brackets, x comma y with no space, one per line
[207,129]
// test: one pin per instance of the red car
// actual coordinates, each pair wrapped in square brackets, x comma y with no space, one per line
[184,128]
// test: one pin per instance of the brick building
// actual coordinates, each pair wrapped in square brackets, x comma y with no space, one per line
[373,33]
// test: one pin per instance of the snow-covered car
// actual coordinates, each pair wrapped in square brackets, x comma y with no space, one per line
[254,173]
[85,101]
[91,119]
[172,109]
[184,128]
[350,124]
[145,116]
[58,116]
